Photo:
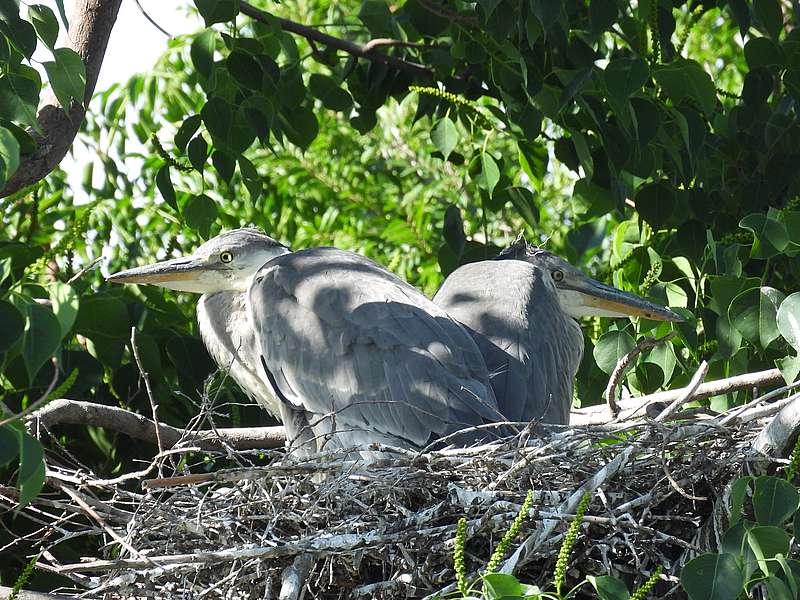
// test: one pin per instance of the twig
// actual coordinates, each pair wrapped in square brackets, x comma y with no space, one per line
[378,42]
[688,393]
[623,364]
[777,438]
[43,398]
[76,412]
[86,269]
[150,19]
[333,42]
[153,405]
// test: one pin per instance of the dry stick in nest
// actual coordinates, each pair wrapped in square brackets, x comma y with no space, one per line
[153,405]
[623,364]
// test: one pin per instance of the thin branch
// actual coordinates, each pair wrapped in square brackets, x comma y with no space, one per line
[688,393]
[90,28]
[622,365]
[153,405]
[347,46]
[86,269]
[139,427]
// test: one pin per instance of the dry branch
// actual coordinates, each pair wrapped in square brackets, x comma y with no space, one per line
[75,412]
[90,29]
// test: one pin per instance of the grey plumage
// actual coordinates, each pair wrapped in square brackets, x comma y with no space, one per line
[343,351]
[520,309]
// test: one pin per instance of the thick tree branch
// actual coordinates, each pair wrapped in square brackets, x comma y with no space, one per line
[75,412]
[599,414]
[90,28]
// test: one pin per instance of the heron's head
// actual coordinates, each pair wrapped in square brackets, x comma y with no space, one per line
[224,263]
[582,296]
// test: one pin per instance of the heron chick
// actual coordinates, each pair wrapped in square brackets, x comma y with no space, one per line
[520,309]
[344,352]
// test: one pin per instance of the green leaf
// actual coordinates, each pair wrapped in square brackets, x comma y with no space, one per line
[789,367]
[65,305]
[763,544]
[30,478]
[164,185]
[533,159]
[62,13]
[197,150]
[224,163]
[444,136]
[202,52]
[185,132]
[584,154]
[713,577]
[200,212]
[774,500]
[9,155]
[67,76]
[375,15]
[778,590]
[104,320]
[623,78]
[738,492]
[490,173]
[788,320]
[329,91]
[609,588]
[685,79]
[771,17]
[602,15]
[612,346]
[41,336]
[302,128]
[753,313]
[44,22]
[13,325]
[591,200]
[217,11]
[244,69]
[664,357]
[500,585]
[9,444]
[771,237]
[19,96]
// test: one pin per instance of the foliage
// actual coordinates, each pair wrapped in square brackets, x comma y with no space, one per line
[755,550]
[652,144]
[492,585]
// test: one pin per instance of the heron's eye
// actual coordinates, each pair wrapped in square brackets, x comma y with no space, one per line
[226,257]
[558,275]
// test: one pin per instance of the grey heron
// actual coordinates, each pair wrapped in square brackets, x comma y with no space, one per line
[521,308]
[344,352]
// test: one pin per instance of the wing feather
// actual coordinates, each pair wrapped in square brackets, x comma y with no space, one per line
[350,339]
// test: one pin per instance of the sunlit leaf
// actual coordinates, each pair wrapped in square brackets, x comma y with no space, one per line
[612,346]
[788,320]
[67,75]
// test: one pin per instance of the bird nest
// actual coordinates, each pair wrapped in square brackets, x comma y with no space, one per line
[269,525]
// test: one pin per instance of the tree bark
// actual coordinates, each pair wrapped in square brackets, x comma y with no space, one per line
[90,29]
[76,412]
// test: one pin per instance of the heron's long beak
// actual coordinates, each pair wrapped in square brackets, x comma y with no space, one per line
[587,297]
[177,274]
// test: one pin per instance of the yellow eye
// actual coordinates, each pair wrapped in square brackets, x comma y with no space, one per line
[226,257]
[558,275]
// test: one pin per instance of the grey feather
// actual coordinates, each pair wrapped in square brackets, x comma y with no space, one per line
[364,354]
[531,347]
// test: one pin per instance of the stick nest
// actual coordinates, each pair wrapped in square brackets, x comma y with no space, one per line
[329,527]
